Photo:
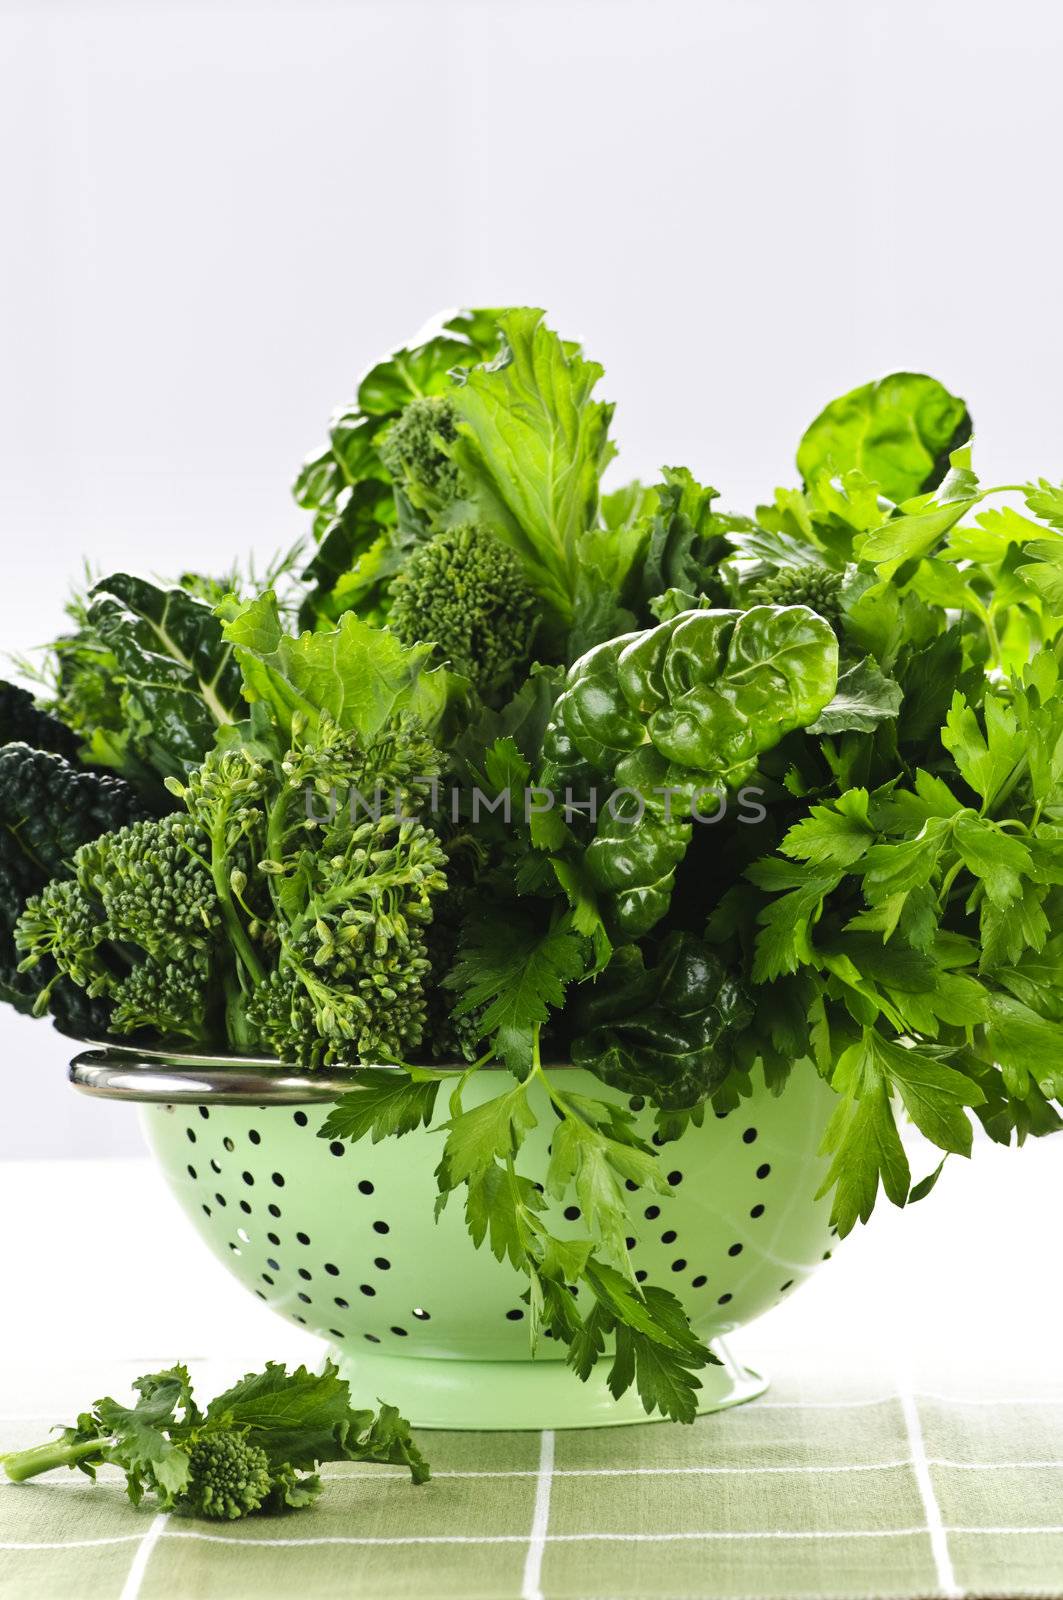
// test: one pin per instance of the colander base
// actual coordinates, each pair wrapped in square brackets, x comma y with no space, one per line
[489,1396]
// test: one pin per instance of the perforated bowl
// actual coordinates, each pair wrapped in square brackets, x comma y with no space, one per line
[341,1239]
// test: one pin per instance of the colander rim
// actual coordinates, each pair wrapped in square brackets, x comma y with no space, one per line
[176,1077]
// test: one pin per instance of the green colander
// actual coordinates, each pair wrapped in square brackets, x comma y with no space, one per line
[341,1239]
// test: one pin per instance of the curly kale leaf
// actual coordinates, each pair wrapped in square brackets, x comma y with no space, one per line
[22,722]
[48,808]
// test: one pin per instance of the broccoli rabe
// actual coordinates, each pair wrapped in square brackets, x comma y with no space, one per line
[326,880]
[138,924]
[252,1450]
[466,593]
[816,587]
[48,808]
[414,452]
[227,1477]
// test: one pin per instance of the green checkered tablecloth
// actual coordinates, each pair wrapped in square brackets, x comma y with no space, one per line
[809,1492]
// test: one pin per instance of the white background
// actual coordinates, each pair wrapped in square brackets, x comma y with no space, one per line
[215,215]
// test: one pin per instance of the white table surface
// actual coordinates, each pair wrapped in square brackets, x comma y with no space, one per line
[104,1278]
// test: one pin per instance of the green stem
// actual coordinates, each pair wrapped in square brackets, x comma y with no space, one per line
[23,1464]
[234,928]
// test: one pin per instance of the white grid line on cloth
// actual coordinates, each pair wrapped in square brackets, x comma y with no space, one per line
[135,1576]
[117,1480]
[939,1544]
[521,1538]
[533,1564]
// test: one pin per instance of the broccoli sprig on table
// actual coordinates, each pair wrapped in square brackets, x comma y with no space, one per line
[254,1449]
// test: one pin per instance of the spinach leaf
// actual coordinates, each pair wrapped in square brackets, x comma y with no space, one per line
[898,431]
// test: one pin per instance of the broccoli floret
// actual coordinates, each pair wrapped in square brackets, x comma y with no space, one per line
[22,722]
[48,808]
[816,587]
[138,925]
[228,1477]
[414,453]
[466,593]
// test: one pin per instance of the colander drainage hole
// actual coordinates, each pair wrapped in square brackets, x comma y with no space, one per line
[640,1276]
[400,1332]
[679,1265]
[204,1113]
[630,1185]
[629,1244]
[248,1179]
[214,1167]
[651,1212]
[191,1135]
[254,1136]
[515,1315]
[365,1187]
[668,1236]
[300,1119]
[303,1238]
[337,1148]
[245,1208]
[242,1233]
[763,1171]
[301,1320]
[332,1270]
[278,1179]
[266,1278]
[421,1314]
[274,1238]
[382,1263]
[381,1227]
[228,1144]
[371,1337]
[276,1266]
[336,1334]
[261,1296]
[757,1211]
[206,1211]
[735,1250]
[725,1299]
[192,1173]
[366,1288]
[787,1285]
[343,1304]
[220,1198]
[305,1298]
[306,1276]
[273,1210]
[750,1136]
[699,1282]
[572,1213]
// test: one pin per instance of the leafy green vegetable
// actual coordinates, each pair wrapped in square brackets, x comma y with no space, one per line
[532,444]
[898,431]
[48,809]
[665,1032]
[254,1449]
[146,679]
[493,801]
